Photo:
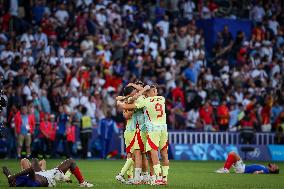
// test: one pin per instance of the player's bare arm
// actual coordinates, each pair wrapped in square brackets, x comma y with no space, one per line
[138,87]
[126,106]
[141,92]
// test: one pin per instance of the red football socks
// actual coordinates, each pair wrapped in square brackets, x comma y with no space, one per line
[230,161]
[77,173]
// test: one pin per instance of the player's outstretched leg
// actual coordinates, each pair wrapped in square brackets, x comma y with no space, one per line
[156,167]
[165,164]
[126,168]
[71,164]
[138,167]
[145,173]
[232,158]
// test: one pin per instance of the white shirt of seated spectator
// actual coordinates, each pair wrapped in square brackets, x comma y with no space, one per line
[147,25]
[154,47]
[208,77]
[267,51]
[91,109]
[188,8]
[106,54]
[99,7]
[191,40]
[83,2]
[127,7]
[273,25]
[275,82]
[197,53]
[246,102]
[255,62]
[74,83]
[53,60]
[41,38]
[88,46]
[77,60]
[203,94]
[74,101]
[7,56]
[259,73]
[28,38]
[101,19]
[62,16]
[27,91]
[61,52]
[170,80]
[276,69]
[84,100]
[189,55]
[239,96]
[169,61]
[192,116]
[66,60]
[6,73]
[114,16]
[198,39]
[48,50]
[146,40]
[257,13]
[164,25]
[163,43]
[28,59]
[205,13]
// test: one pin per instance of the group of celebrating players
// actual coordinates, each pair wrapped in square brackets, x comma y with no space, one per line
[145,135]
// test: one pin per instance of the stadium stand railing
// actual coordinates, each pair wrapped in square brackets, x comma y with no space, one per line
[217,138]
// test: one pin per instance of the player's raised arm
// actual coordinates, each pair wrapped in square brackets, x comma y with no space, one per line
[126,106]
[120,98]
[137,95]
[138,87]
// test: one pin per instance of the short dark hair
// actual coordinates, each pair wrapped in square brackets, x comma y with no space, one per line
[84,110]
[128,90]
[138,82]
[276,171]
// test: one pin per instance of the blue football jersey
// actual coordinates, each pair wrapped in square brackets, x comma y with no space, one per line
[256,167]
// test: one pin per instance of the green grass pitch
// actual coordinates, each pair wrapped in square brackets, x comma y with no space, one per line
[182,174]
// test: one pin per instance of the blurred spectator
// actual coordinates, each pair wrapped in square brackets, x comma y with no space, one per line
[70,138]
[193,119]
[24,126]
[86,131]
[247,128]
[62,121]
[188,7]
[45,128]
[223,116]
[206,116]
[257,12]
[106,128]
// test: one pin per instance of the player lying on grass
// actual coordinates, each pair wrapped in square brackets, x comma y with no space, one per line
[134,136]
[36,177]
[234,160]
[157,137]
[40,165]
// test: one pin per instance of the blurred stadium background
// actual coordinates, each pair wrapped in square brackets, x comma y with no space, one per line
[219,63]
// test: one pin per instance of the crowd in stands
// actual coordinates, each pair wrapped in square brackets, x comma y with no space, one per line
[65,61]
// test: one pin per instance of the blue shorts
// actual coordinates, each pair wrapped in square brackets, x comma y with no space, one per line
[25,180]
